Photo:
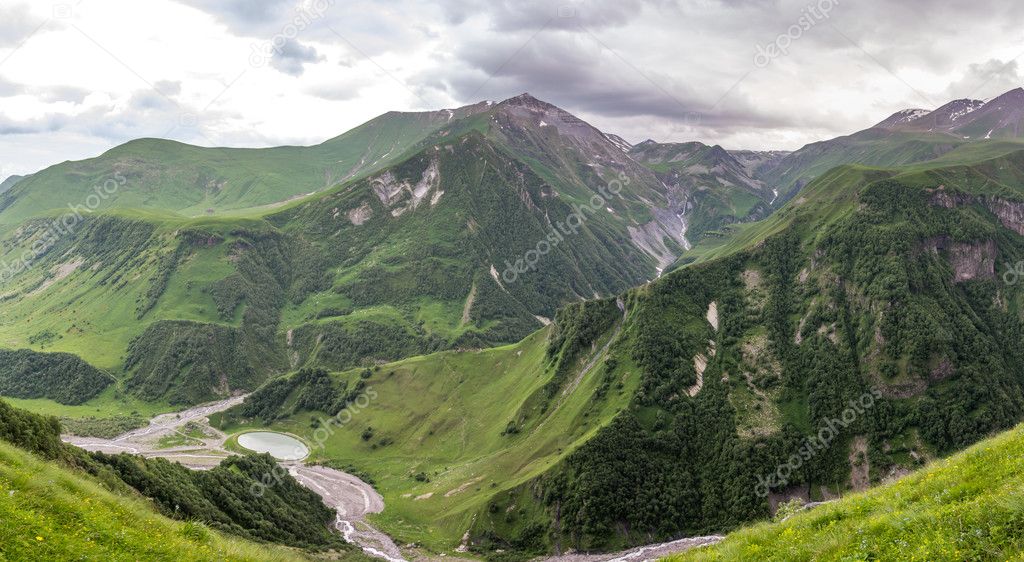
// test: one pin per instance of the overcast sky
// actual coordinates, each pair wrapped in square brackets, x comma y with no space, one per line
[77,78]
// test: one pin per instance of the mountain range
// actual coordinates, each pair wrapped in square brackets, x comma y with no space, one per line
[574,342]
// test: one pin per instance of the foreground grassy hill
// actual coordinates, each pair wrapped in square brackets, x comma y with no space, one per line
[51,513]
[220,497]
[966,507]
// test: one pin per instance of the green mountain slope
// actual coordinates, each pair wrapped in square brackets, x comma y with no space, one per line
[168,176]
[872,147]
[474,237]
[9,183]
[966,507]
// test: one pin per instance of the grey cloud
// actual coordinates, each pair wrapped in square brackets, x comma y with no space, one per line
[169,88]
[61,93]
[987,79]
[580,75]
[48,94]
[145,100]
[291,57]
[42,124]
[511,15]
[245,15]
[8,88]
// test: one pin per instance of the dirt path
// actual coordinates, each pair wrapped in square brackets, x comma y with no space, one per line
[350,496]
[642,553]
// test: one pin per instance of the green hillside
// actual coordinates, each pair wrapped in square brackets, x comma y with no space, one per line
[51,513]
[871,147]
[191,181]
[966,507]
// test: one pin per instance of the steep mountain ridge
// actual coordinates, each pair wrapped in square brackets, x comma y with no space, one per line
[580,162]
[945,118]
[469,239]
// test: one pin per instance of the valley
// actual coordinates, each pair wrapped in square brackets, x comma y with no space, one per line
[351,497]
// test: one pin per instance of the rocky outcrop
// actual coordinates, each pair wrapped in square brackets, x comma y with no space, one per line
[401,196]
[969,260]
[949,200]
[1010,213]
[360,214]
[975,260]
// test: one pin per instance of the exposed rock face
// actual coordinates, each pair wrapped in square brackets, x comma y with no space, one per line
[860,469]
[949,200]
[401,196]
[1010,213]
[973,260]
[360,214]
[969,260]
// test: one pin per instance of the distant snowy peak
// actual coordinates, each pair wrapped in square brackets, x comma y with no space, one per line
[911,114]
[964,107]
[902,116]
[1000,117]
